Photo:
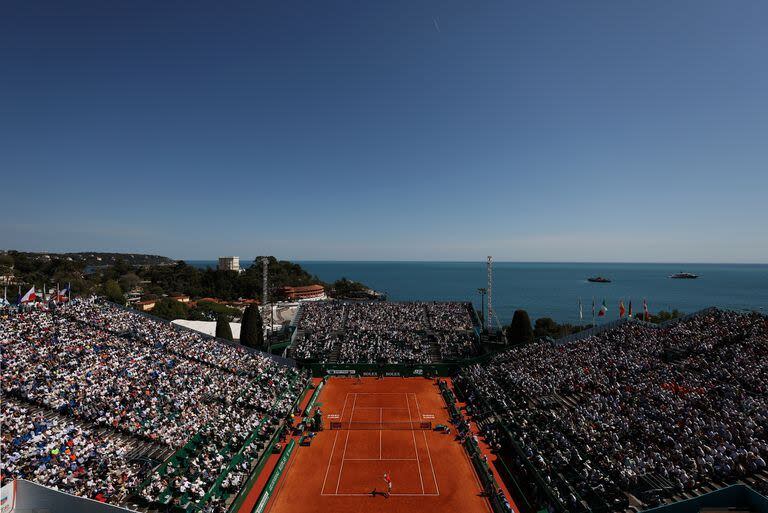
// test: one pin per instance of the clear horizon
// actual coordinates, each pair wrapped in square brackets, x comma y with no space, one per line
[248,260]
[557,131]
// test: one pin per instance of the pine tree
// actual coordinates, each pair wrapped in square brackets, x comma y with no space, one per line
[252,329]
[520,330]
[222,328]
[260,340]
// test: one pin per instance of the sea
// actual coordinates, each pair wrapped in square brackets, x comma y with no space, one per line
[556,289]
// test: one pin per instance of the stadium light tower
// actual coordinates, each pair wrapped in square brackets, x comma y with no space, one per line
[490,294]
[265,281]
[265,293]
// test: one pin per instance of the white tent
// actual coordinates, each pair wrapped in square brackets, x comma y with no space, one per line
[208,327]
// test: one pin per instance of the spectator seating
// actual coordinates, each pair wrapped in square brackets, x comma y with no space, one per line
[122,386]
[635,413]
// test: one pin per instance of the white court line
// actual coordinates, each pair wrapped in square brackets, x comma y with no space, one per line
[328,468]
[345,406]
[381,459]
[418,408]
[368,494]
[380,408]
[429,453]
[414,443]
[351,416]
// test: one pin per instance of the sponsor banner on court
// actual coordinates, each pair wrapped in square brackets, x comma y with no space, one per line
[313,399]
[269,488]
[341,371]
[390,373]
[388,369]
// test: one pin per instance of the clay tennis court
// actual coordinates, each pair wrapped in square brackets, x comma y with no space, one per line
[380,426]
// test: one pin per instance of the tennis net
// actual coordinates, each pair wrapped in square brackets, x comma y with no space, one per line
[407,425]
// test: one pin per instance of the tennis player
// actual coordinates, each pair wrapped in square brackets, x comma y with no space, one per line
[388,480]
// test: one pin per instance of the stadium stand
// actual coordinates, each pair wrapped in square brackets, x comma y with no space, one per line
[385,332]
[121,407]
[633,416]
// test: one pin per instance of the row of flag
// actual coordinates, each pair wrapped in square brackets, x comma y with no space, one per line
[59,295]
[623,311]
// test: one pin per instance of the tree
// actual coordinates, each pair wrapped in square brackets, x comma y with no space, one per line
[346,288]
[222,328]
[664,316]
[546,327]
[113,292]
[252,329]
[520,331]
[216,309]
[129,281]
[170,309]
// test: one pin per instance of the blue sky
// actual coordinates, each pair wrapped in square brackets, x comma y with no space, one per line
[544,131]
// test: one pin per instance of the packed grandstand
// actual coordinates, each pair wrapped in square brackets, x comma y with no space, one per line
[120,407]
[115,406]
[633,415]
[385,332]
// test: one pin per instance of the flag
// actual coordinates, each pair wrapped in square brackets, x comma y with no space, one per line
[630,309]
[593,310]
[61,296]
[581,311]
[29,296]
[645,311]
[622,310]
[603,310]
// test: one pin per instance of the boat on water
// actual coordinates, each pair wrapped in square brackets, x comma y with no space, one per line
[598,279]
[684,276]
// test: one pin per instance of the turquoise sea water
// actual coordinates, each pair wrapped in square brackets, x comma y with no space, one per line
[553,289]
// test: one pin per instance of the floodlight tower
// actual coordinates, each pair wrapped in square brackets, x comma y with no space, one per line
[265,284]
[490,294]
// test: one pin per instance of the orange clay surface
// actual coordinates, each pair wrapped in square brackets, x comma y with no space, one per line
[429,470]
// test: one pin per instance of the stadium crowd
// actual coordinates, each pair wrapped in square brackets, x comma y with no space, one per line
[384,332]
[136,376]
[391,346]
[59,452]
[650,411]
[166,337]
